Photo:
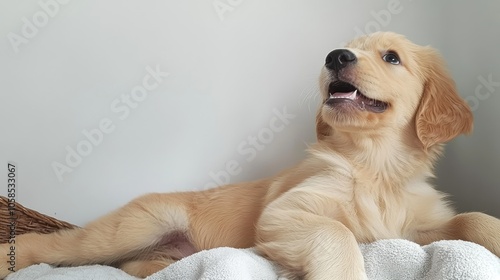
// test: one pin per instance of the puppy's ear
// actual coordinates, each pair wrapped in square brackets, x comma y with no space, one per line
[442,114]
[323,129]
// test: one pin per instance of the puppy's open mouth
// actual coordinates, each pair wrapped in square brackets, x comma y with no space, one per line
[341,92]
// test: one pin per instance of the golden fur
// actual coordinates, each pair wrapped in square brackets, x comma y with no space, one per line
[365,179]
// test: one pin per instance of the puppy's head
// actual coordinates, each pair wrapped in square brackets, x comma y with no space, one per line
[384,81]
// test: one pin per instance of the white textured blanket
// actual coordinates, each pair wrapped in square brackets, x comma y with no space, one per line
[384,260]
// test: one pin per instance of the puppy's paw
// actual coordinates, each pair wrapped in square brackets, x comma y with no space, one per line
[344,275]
[359,276]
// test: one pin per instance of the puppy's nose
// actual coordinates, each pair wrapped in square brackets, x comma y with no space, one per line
[338,59]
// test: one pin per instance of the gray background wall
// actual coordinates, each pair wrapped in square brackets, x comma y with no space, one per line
[470,39]
[232,72]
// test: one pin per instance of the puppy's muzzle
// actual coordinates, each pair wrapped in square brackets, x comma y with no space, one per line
[338,59]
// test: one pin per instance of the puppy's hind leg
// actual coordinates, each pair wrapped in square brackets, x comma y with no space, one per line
[131,231]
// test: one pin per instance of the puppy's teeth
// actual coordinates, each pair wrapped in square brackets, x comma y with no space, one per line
[354,93]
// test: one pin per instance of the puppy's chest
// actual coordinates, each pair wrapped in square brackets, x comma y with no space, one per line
[376,208]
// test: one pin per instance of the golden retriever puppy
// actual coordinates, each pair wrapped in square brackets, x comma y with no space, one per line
[387,107]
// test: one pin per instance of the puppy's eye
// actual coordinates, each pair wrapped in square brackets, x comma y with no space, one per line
[392,58]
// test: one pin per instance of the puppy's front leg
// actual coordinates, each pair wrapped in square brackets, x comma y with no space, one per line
[298,236]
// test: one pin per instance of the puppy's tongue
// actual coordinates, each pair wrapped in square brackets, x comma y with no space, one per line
[348,95]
